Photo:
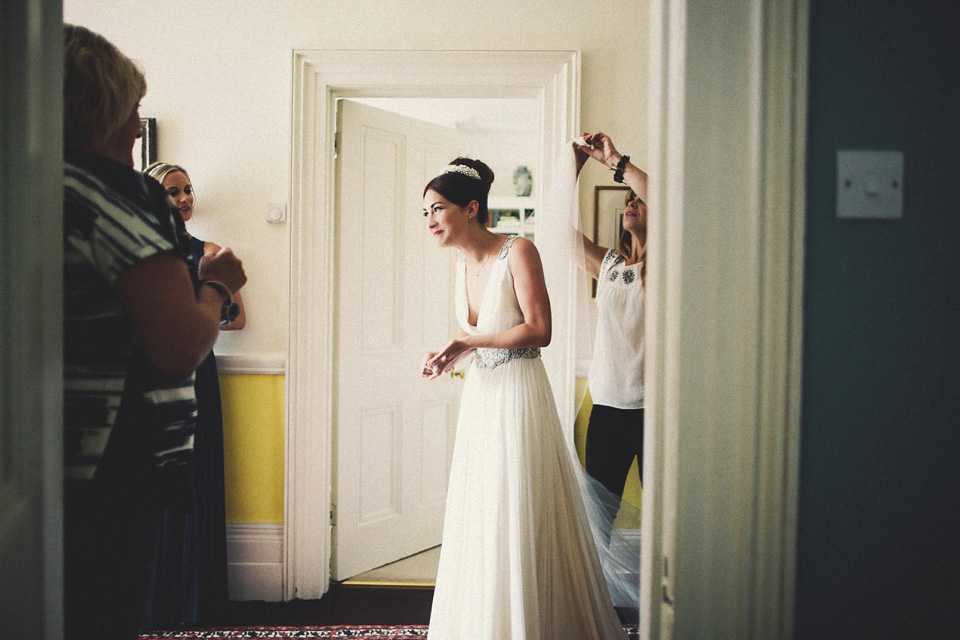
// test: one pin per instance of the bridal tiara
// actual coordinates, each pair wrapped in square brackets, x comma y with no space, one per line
[462,169]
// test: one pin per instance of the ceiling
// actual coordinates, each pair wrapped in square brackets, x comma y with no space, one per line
[475,115]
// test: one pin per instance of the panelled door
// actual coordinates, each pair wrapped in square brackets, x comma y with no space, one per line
[394,430]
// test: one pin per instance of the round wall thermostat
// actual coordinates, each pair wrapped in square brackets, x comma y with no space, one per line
[276,212]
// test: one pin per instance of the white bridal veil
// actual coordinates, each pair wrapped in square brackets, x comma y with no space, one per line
[615,523]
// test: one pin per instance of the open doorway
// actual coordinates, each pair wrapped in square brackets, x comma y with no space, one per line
[551,79]
[393,432]
[391,453]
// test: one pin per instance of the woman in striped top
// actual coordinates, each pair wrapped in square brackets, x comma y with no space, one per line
[135,328]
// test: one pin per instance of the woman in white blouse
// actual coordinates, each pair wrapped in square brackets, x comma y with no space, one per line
[615,431]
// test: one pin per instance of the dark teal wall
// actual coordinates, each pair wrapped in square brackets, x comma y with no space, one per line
[880,454]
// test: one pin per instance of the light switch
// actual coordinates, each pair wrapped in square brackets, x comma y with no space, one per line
[870,184]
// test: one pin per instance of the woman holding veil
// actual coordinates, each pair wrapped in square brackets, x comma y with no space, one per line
[518,558]
[615,430]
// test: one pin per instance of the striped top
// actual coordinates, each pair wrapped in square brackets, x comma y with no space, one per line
[113,217]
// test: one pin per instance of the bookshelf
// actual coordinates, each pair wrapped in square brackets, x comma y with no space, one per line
[512,215]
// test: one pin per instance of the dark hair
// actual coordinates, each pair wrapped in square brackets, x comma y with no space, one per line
[625,245]
[462,189]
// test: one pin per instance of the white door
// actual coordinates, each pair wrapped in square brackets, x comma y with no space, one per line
[394,430]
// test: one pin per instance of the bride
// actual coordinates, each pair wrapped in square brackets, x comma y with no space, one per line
[518,559]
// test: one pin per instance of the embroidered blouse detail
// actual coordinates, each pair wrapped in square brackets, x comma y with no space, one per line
[612,258]
[625,272]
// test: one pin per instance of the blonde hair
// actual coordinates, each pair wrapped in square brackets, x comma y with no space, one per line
[160,170]
[101,87]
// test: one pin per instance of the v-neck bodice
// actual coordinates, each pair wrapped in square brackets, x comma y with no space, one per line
[499,309]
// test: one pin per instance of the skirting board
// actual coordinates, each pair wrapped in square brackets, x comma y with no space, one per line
[255,561]
[271,365]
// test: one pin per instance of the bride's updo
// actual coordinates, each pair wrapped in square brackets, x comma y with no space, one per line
[463,181]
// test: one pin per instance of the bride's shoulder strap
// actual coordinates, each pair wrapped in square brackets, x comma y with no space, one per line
[505,248]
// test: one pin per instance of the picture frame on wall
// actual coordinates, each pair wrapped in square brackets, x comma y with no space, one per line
[609,203]
[145,147]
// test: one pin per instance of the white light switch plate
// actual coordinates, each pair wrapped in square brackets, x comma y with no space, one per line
[870,184]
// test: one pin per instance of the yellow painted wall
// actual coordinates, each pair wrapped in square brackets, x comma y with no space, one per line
[632,491]
[253,415]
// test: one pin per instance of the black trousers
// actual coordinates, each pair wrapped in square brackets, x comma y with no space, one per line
[614,439]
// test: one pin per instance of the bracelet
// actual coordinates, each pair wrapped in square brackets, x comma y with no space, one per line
[229,310]
[618,172]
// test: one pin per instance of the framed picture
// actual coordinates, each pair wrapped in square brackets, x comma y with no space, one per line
[145,147]
[608,206]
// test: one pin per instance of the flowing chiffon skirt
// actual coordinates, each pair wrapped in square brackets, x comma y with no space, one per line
[518,559]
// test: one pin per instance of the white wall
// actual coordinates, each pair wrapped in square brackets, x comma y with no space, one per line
[219,75]
[504,130]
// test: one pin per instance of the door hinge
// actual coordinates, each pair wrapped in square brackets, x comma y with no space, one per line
[336,145]
[667,583]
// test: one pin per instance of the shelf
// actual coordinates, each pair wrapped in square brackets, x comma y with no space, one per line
[512,221]
[511,202]
[512,215]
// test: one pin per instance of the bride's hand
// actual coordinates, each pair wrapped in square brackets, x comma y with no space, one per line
[444,360]
[437,363]
[430,371]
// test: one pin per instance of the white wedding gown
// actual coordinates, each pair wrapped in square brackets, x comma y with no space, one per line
[518,560]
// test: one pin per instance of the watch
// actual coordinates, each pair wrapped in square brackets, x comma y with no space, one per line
[230,309]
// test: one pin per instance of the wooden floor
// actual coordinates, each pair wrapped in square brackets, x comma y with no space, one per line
[342,604]
[397,594]
[345,604]
[418,570]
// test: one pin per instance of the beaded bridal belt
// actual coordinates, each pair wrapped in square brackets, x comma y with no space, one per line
[493,358]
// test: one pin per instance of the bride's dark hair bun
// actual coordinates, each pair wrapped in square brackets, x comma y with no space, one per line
[462,187]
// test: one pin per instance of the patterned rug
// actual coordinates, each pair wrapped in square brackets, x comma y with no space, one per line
[409,632]
[403,632]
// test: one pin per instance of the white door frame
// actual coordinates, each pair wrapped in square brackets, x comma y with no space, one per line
[320,78]
[725,280]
